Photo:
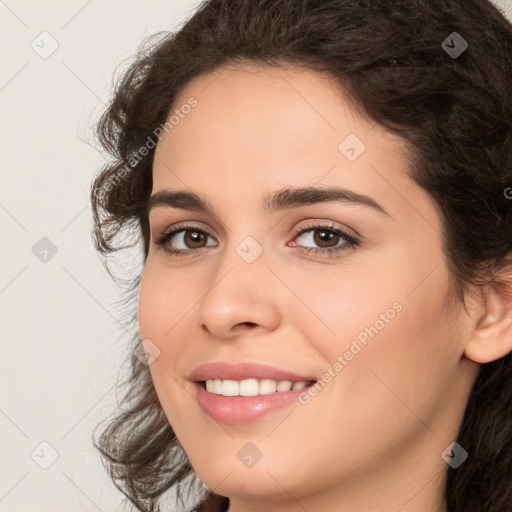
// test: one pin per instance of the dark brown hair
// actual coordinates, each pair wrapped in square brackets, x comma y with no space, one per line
[453,111]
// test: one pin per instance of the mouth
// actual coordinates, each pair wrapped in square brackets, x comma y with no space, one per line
[246,401]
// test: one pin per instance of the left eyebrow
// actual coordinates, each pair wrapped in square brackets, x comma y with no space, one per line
[300,196]
[285,198]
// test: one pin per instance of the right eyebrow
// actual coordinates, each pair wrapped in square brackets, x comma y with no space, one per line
[179,199]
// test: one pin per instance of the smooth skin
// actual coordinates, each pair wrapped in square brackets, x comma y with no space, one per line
[372,438]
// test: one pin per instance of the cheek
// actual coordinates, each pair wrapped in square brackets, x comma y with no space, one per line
[151,304]
[339,306]
[385,338]
[163,304]
[163,301]
[165,311]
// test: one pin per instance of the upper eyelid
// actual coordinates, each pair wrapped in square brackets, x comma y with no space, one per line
[224,228]
[300,230]
[310,224]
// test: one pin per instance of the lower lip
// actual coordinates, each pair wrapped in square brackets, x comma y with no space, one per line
[243,409]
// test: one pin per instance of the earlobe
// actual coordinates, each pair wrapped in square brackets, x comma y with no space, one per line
[491,337]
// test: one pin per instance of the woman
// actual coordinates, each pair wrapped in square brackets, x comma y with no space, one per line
[322,192]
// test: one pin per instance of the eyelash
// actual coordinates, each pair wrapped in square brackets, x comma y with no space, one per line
[351,240]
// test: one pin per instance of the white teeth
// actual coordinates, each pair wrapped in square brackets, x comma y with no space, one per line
[251,387]
[284,385]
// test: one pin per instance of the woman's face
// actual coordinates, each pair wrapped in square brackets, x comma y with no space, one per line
[371,320]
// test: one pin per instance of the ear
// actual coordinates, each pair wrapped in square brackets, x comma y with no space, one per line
[491,336]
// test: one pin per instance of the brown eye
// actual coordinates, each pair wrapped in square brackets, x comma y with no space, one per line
[184,240]
[194,239]
[327,239]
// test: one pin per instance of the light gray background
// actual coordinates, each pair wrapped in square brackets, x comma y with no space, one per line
[61,343]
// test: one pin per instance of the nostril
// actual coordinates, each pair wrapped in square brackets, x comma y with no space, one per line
[241,325]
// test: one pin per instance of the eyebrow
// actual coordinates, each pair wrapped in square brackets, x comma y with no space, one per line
[283,199]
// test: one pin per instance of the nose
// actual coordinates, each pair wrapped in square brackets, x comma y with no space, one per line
[241,297]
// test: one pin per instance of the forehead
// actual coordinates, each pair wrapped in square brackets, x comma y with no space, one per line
[255,128]
[286,109]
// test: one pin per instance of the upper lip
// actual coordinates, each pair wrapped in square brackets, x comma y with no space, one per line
[242,371]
